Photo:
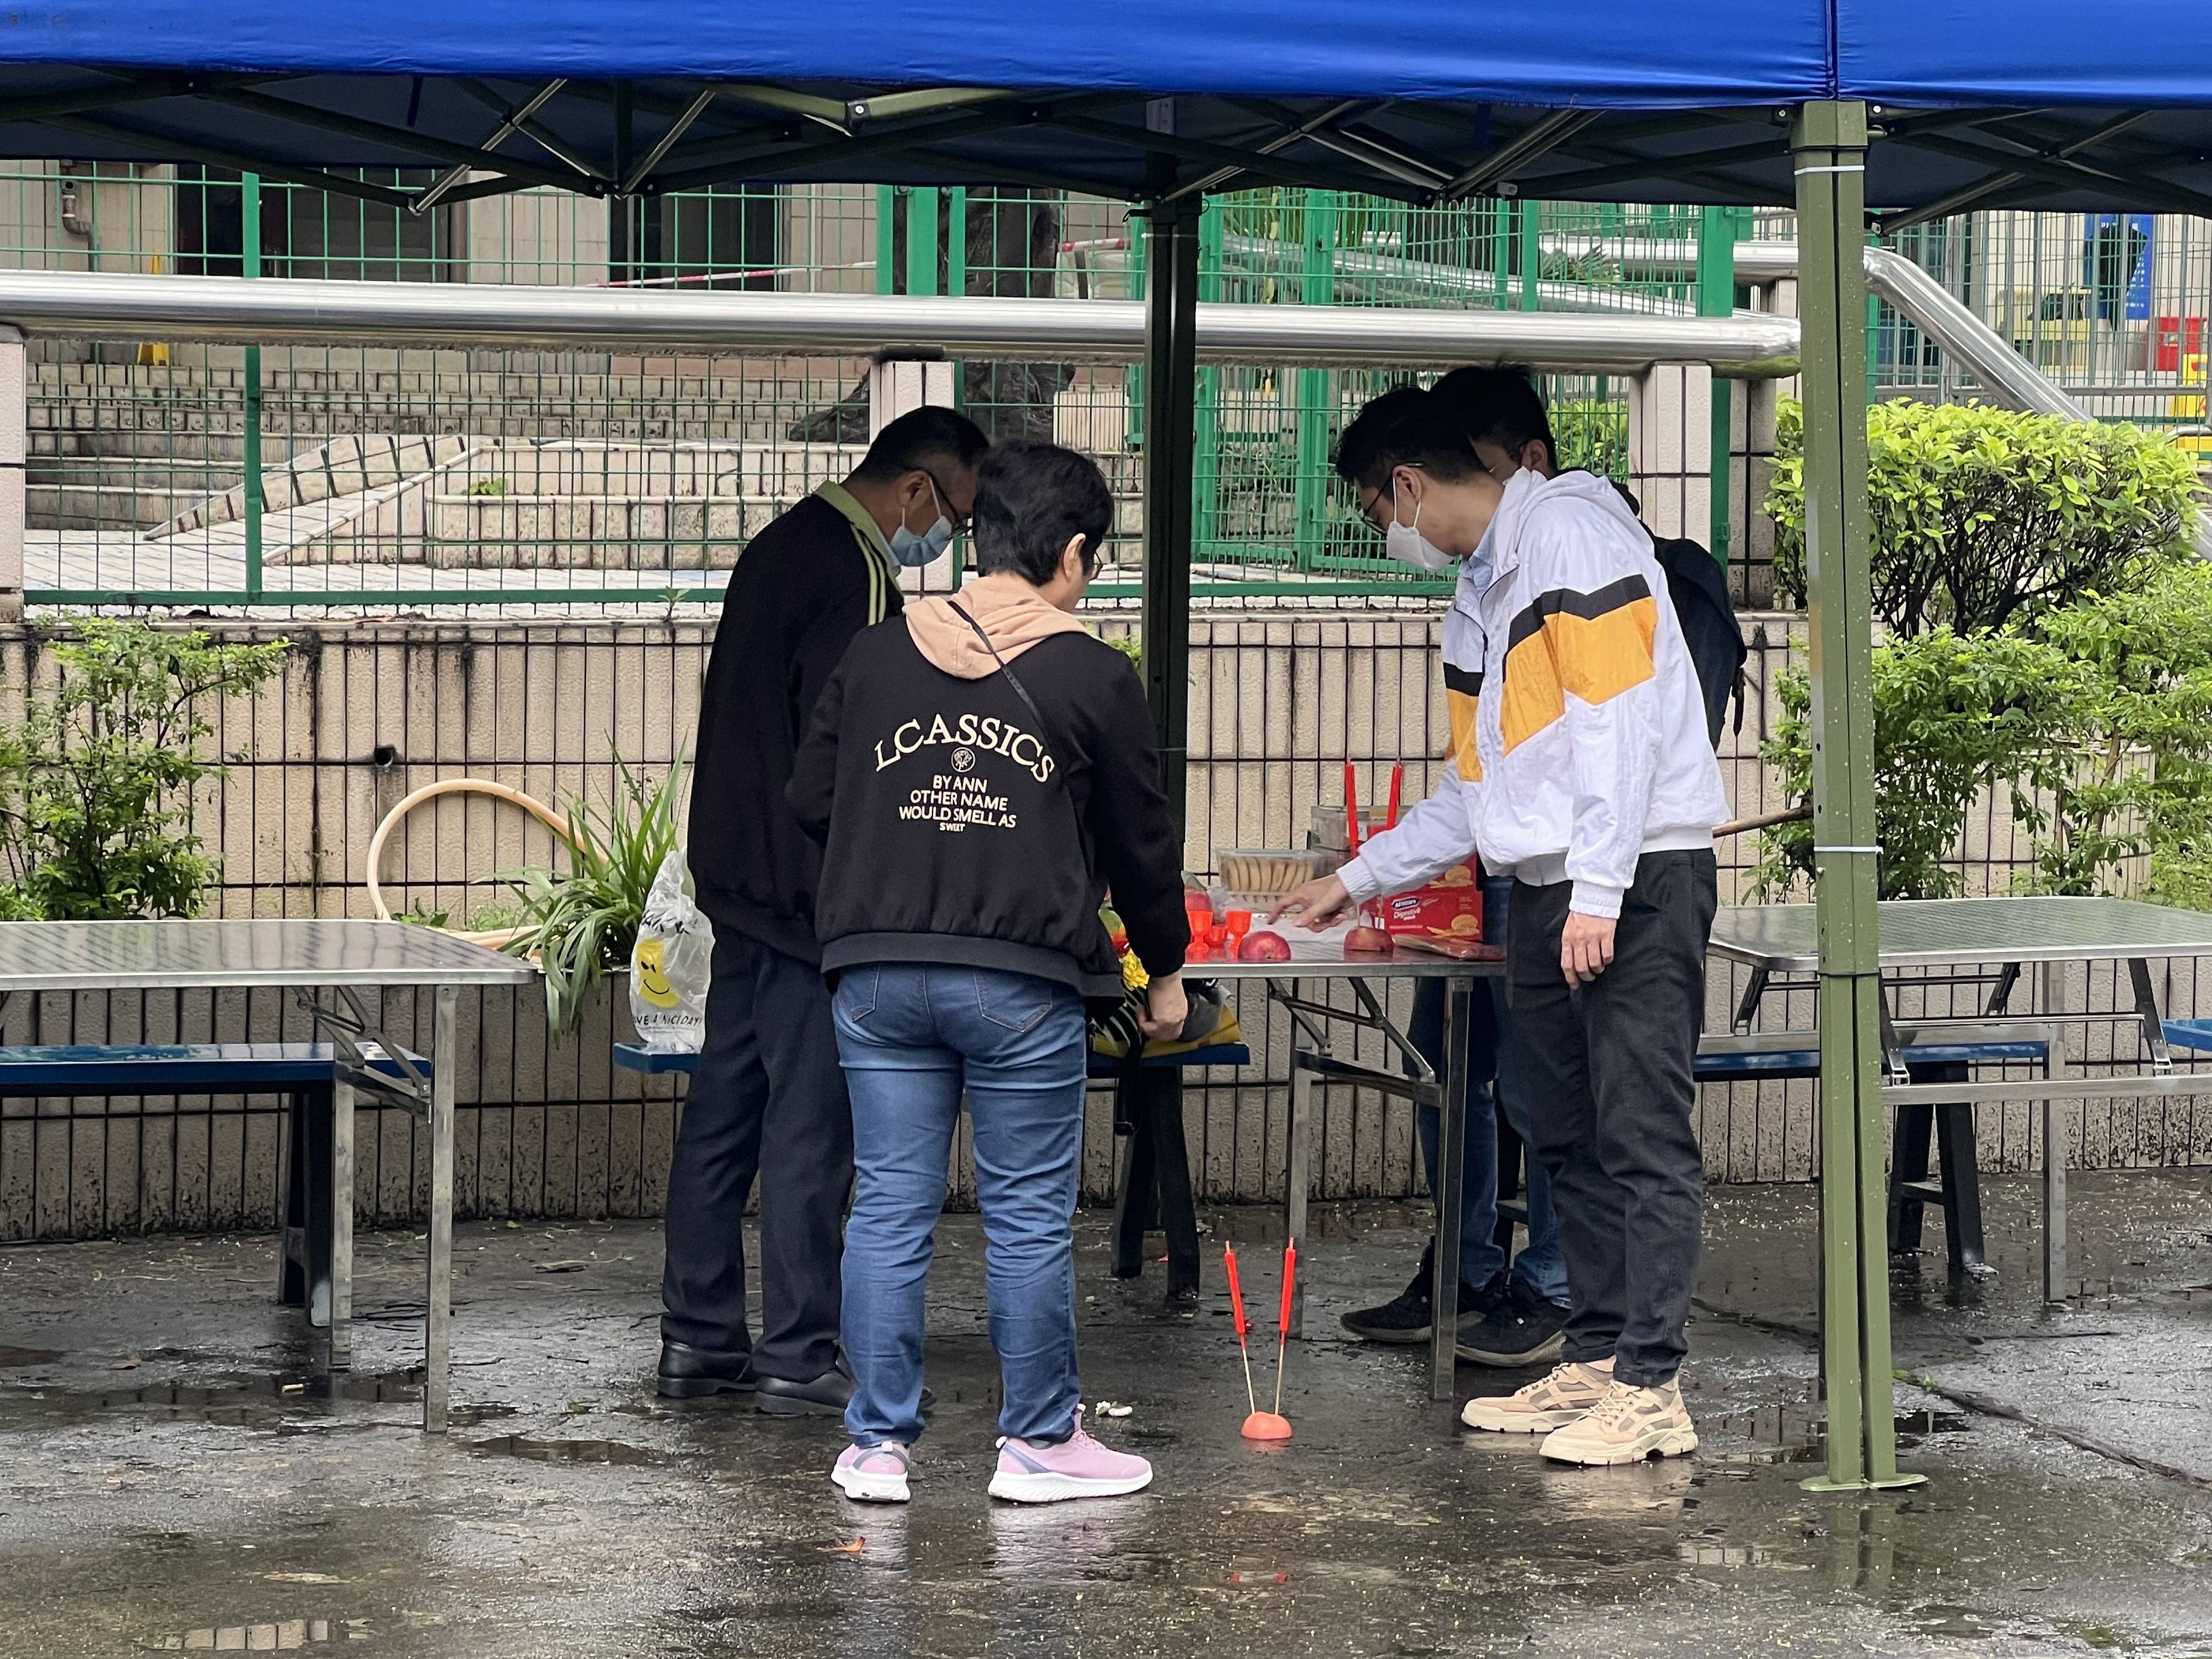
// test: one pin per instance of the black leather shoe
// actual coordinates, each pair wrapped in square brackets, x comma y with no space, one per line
[827,1395]
[689,1373]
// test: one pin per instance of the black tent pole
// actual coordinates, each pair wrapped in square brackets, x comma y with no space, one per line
[1170,401]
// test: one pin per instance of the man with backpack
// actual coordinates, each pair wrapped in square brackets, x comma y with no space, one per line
[1582,764]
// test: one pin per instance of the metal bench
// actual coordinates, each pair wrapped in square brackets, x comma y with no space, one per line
[1926,1056]
[315,1270]
[1153,1190]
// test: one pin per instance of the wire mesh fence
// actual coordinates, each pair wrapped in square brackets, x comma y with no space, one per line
[479,477]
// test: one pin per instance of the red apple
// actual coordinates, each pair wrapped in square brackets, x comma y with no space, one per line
[1264,947]
[1367,941]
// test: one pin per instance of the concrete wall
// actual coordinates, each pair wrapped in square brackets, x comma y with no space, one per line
[366,713]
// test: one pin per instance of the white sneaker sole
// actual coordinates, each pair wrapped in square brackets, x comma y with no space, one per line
[1658,1443]
[1027,1488]
[1503,1422]
[864,1487]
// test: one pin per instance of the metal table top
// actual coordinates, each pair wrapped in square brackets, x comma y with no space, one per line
[111,956]
[1328,960]
[1939,932]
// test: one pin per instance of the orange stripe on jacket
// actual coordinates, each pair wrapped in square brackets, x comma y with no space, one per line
[1595,645]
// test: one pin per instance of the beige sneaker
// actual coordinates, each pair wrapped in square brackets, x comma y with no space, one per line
[1551,1402]
[1628,1426]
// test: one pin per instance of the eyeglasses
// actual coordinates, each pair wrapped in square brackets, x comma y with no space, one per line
[960,520]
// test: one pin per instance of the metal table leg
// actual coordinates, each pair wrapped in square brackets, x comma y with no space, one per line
[438,1335]
[1297,1175]
[1451,1157]
[341,1326]
[2052,993]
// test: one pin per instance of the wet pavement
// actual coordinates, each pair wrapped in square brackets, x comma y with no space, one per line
[179,1477]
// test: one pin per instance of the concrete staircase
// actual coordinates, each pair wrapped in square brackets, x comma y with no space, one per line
[563,462]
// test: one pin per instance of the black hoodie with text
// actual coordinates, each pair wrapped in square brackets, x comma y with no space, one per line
[959,827]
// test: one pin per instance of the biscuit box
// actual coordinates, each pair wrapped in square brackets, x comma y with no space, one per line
[1448,908]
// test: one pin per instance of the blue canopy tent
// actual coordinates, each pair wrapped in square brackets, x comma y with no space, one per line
[1923,107]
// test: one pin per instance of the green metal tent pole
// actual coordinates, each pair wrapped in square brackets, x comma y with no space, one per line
[1170,406]
[1828,142]
[249,248]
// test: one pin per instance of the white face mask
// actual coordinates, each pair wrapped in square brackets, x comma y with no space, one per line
[1406,543]
[909,548]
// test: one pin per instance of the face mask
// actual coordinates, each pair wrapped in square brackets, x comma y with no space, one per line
[1406,543]
[910,550]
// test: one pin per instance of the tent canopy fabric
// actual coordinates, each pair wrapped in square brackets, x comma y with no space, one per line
[1595,100]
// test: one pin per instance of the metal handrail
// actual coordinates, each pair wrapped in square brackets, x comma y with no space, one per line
[236,311]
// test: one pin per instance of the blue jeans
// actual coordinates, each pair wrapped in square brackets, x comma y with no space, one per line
[1498,1074]
[912,1037]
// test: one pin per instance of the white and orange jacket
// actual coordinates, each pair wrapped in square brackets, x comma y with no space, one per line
[1578,730]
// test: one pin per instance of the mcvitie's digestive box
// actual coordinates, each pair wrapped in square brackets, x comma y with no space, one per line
[1448,908]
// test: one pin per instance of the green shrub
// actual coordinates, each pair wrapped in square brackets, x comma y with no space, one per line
[1953,715]
[1982,515]
[96,794]
[2131,778]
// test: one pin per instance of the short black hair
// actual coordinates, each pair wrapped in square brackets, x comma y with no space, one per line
[1500,406]
[1030,499]
[1428,435]
[920,438]
[1355,449]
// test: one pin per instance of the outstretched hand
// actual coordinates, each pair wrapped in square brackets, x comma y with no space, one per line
[1317,904]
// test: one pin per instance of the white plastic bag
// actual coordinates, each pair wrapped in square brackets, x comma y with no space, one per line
[671,965]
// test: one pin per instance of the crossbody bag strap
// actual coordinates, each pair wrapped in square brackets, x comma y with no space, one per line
[1020,690]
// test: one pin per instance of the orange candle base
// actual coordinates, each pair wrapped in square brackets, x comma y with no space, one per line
[1267,1425]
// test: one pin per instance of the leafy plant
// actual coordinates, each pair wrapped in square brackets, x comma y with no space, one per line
[1981,515]
[1953,715]
[488,487]
[581,923]
[1130,646]
[2131,779]
[96,794]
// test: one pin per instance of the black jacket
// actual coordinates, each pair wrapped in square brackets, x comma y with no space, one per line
[802,589]
[957,832]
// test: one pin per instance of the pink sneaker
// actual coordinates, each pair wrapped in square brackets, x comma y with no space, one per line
[873,1475]
[1031,1472]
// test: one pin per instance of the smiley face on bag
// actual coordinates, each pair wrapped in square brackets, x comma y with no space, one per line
[652,974]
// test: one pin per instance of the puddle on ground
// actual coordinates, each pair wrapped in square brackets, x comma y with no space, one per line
[1793,1434]
[281,1636]
[243,1401]
[562,1451]
[27,1356]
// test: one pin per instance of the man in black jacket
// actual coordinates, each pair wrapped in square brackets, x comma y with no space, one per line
[769,1098]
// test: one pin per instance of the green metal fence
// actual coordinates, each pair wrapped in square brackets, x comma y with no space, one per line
[471,477]
[476,477]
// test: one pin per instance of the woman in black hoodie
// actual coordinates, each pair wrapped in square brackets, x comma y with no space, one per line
[980,771]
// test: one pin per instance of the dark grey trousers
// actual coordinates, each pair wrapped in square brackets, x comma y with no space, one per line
[767,1100]
[1609,1067]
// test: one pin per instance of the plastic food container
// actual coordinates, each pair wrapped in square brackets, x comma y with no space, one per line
[1328,825]
[1271,871]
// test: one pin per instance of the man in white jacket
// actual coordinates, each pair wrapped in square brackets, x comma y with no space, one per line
[1582,764]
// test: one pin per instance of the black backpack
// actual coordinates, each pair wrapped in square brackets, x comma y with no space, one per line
[1699,589]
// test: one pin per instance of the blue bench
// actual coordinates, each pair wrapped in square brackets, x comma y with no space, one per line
[305,1073]
[1949,1125]
[2194,1035]
[1154,1187]
[636,1057]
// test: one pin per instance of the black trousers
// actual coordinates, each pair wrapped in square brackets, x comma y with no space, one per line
[767,1100]
[1610,1070]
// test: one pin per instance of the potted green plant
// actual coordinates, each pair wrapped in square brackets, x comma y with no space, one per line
[580,923]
